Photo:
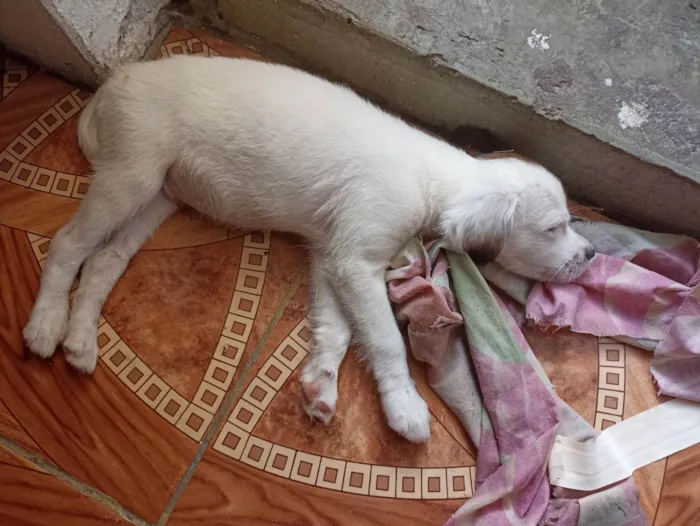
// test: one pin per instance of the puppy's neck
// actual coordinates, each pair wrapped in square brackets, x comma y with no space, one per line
[453,176]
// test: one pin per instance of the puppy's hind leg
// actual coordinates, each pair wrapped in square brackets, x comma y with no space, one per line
[361,288]
[331,337]
[99,275]
[116,194]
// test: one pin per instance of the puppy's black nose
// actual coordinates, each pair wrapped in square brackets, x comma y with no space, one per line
[589,253]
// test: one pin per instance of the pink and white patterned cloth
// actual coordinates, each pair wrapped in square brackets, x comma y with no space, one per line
[641,288]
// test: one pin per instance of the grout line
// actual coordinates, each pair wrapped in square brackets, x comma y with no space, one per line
[227,403]
[77,484]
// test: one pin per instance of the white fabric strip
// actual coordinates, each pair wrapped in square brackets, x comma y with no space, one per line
[624,447]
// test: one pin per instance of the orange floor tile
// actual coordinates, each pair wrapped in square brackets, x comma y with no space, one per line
[193,414]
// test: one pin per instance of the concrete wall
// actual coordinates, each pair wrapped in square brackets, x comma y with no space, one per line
[26,26]
[80,39]
[451,63]
[626,71]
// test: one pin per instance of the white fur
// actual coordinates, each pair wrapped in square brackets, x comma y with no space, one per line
[262,146]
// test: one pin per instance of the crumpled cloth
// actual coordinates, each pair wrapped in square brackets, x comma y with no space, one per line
[641,288]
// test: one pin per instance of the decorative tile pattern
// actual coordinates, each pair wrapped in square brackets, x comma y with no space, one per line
[280,461]
[245,415]
[24,174]
[220,374]
[357,478]
[193,418]
[383,481]
[208,397]
[256,452]
[330,473]
[434,483]
[231,441]
[290,353]
[37,177]
[459,484]
[305,468]
[611,383]
[409,483]
[194,422]
[14,74]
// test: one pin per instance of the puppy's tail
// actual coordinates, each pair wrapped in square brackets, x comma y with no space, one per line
[87,128]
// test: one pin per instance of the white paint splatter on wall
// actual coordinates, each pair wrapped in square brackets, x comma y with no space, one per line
[538,40]
[608,82]
[632,115]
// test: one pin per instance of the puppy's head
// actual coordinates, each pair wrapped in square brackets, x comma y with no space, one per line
[515,213]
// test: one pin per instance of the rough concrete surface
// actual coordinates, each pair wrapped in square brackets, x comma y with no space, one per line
[80,39]
[626,71]
[338,41]
[27,27]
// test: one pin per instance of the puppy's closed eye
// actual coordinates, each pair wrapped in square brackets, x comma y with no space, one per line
[557,228]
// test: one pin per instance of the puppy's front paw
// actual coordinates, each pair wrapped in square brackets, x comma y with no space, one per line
[319,390]
[407,413]
[81,348]
[45,330]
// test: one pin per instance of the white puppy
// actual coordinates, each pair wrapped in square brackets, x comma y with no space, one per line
[263,146]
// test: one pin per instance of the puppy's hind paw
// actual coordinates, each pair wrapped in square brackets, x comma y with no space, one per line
[318,399]
[81,349]
[45,331]
[407,413]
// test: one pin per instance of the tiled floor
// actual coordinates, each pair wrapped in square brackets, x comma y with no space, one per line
[193,414]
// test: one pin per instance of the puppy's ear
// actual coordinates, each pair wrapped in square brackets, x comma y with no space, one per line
[481,225]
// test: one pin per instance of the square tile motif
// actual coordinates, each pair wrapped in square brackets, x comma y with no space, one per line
[290,353]
[305,468]
[611,402]
[172,406]
[302,334]
[229,350]
[611,378]
[408,483]
[153,391]
[257,240]
[51,120]
[118,357]
[194,422]
[35,133]
[459,485]
[208,397]
[63,184]
[383,481]
[250,281]
[245,415]
[603,421]
[20,148]
[274,373]
[237,327]
[611,354]
[331,474]
[434,483]
[244,304]
[220,374]
[357,478]
[231,441]
[280,461]
[254,259]
[8,165]
[106,338]
[43,181]
[135,374]
[259,393]
[256,452]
